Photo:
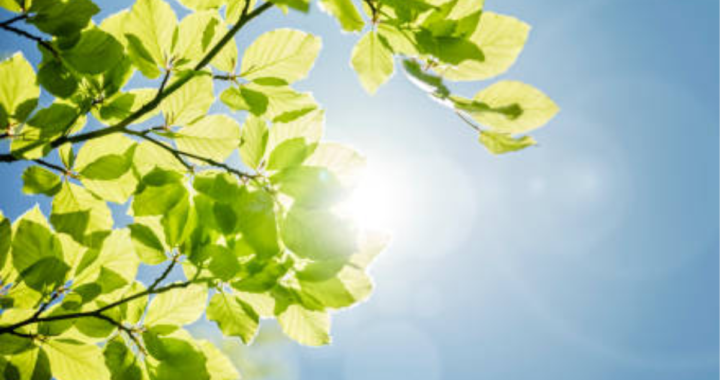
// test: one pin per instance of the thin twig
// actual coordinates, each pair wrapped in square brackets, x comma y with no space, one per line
[468,122]
[179,154]
[127,330]
[164,275]
[13,20]
[50,165]
[93,313]
[30,36]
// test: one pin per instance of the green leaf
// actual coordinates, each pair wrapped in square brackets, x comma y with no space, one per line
[514,107]
[149,27]
[147,245]
[257,222]
[195,35]
[108,167]
[199,5]
[244,99]
[121,105]
[289,153]
[12,5]
[175,357]
[62,18]
[214,137]
[372,61]
[104,165]
[310,328]
[499,143]
[176,307]
[5,243]
[38,180]
[160,191]
[218,365]
[78,213]
[33,240]
[427,81]
[345,12]
[12,344]
[191,102]
[501,39]
[178,223]
[309,127]
[223,262]
[345,163]
[309,186]
[233,316]
[286,54]
[301,5]
[318,234]
[56,78]
[398,39]
[95,53]
[254,139]
[19,91]
[72,360]
[45,125]
[121,361]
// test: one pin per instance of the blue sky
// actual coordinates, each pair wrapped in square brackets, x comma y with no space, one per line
[592,256]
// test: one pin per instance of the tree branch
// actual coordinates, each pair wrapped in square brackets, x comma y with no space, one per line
[150,106]
[179,154]
[97,312]
[6,26]
[50,165]
[13,20]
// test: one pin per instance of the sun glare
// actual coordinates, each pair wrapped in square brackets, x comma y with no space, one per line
[379,201]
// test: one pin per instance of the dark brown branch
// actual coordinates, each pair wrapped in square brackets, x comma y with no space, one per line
[30,36]
[50,165]
[179,154]
[97,312]
[13,20]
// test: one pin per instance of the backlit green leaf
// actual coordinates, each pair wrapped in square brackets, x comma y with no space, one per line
[233,316]
[214,137]
[18,89]
[95,53]
[177,307]
[72,360]
[254,138]
[37,180]
[501,39]
[309,328]
[345,12]
[372,61]
[286,54]
[514,107]
[498,143]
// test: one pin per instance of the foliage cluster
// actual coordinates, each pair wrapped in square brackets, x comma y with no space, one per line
[259,236]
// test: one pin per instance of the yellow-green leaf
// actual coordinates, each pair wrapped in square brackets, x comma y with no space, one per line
[372,61]
[285,54]
[514,107]
[213,137]
[307,327]
[498,143]
[501,39]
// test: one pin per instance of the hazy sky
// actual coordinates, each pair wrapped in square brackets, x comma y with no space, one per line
[592,256]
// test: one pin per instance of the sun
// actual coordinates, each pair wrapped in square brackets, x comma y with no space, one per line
[379,201]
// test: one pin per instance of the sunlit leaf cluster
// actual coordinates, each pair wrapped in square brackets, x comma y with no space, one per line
[231,196]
